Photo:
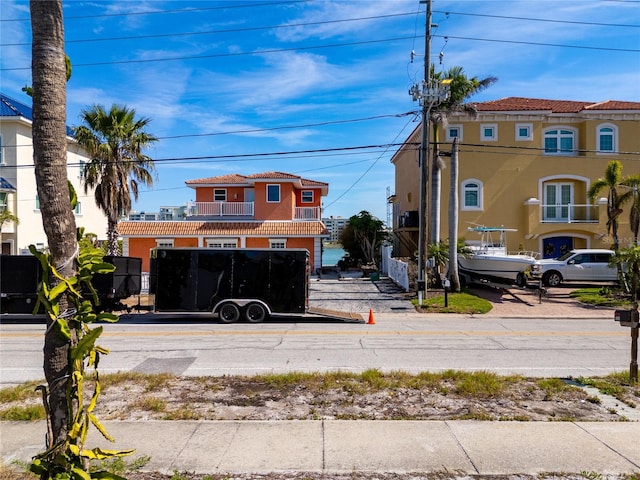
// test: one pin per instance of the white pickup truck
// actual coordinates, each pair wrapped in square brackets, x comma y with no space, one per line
[579,265]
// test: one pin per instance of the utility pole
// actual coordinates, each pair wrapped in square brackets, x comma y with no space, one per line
[429,95]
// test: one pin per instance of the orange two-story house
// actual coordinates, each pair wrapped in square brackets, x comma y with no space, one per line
[264,210]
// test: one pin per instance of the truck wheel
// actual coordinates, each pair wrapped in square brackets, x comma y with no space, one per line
[255,312]
[229,313]
[551,279]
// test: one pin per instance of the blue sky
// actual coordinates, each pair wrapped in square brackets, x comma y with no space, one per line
[302,86]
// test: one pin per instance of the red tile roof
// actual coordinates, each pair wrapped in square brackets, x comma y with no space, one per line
[237,179]
[191,229]
[515,104]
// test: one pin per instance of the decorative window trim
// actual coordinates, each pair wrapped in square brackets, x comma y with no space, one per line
[559,152]
[306,196]
[269,187]
[219,194]
[524,138]
[614,139]
[480,190]
[454,127]
[278,243]
[493,127]
[165,242]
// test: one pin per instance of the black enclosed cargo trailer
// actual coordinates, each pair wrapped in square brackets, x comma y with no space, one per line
[20,276]
[234,283]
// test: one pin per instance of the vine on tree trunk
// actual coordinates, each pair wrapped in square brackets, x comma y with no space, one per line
[69,459]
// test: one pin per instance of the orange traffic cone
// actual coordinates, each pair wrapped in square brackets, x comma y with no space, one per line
[371,320]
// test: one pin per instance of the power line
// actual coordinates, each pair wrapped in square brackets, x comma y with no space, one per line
[530,19]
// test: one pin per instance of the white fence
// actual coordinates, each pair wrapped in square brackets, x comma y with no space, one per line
[396,270]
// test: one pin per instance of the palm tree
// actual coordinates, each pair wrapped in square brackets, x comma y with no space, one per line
[461,88]
[612,181]
[633,182]
[49,77]
[114,141]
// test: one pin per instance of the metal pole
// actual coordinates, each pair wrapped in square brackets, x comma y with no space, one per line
[424,156]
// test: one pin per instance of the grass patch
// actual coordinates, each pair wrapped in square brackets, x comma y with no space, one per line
[553,387]
[150,404]
[20,392]
[151,382]
[119,465]
[617,385]
[602,297]
[463,302]
[27,413]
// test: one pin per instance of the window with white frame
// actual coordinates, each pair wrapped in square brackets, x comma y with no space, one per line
[4,199]
[222,243]
[489,132]
[524,131]
[78,209]
[164,242]
[277,243]
[307,196]
[559,141]
[607,138]
[220,195]
[471,194]
[454,131]
[273,193]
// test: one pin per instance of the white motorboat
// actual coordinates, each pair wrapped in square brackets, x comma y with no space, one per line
[490,259]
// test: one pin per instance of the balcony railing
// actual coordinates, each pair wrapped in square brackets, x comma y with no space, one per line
[220,209]
[307,213]
[569,213]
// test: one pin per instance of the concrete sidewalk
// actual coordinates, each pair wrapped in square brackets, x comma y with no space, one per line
[459,447]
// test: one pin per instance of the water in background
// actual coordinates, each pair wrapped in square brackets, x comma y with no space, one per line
[331,256]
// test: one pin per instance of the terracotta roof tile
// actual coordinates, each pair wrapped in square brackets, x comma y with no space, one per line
[237,179]
[555,106]
[230,179]
[190,229]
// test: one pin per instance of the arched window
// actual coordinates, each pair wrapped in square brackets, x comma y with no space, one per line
[471,194]
[607,138]
[560,141]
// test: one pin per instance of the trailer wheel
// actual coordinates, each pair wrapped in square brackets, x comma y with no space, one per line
[521,279]
[255,312]
[229,313]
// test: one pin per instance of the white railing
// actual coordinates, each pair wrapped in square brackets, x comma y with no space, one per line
[396,270]
[220,209]
[144,282]
[569,213]
[307,213]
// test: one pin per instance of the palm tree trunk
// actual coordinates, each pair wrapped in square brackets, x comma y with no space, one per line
[454,278]
[50,159]
[112,237]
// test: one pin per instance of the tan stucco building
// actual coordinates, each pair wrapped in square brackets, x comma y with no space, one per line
[525,164]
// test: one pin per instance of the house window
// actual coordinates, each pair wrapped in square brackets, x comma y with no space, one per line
[524,131]
[220,195]
[222,243]
[3,201]
[307,196]
[559,141]
[277,243]
[164,243]
[78,209]
[81,172]
[273,193]
[454,131]
[471,194]
[37,202]
[607,138]
[489,132]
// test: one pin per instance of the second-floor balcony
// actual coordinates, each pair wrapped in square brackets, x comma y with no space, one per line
[220,209]
[244,210]
[569,213]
